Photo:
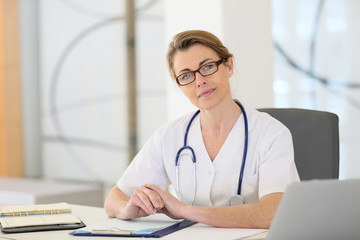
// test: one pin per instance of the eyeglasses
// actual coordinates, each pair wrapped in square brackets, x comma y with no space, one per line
[205,70]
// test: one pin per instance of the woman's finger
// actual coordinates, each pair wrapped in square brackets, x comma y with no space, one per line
[142,201]
[154,198]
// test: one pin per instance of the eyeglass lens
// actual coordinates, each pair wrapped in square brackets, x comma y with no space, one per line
[206,70]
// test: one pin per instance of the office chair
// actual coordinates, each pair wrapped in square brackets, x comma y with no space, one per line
[316,140]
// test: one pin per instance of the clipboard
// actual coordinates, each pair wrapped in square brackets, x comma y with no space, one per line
[155,226]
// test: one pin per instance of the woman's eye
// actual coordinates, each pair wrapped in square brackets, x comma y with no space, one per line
[186,76]
[208,67]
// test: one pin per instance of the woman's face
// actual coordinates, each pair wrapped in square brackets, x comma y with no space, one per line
[205,92]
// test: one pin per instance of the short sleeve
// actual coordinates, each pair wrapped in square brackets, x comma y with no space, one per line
[277,166]
[146,168]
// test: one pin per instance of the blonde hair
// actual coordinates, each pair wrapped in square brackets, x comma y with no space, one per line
[184,40]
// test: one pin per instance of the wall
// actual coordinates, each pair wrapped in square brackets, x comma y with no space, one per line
[321,37]
[83,87]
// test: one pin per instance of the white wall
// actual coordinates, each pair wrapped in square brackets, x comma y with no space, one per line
[86,137]
[247,32]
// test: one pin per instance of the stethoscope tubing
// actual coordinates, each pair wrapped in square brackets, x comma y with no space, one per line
[245,149]
[185,146]
[193,159]
[185,141]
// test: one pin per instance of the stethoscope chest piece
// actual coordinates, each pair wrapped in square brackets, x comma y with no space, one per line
[236,200]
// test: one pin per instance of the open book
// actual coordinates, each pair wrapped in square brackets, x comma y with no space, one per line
[40,217]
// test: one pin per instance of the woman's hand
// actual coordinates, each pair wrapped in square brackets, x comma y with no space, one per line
[172,206]
[143,202]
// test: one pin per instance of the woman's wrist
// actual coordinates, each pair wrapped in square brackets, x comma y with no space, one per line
[187,212]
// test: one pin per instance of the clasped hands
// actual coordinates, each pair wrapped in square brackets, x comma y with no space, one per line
[150,199]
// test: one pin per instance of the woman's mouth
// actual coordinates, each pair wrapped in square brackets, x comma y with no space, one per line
[207,93]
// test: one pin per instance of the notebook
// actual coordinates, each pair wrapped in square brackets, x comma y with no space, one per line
[318,209]
[38,217]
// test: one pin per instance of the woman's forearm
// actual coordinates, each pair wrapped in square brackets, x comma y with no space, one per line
[258,215]
[115,202]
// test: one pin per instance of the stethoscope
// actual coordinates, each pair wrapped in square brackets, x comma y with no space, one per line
[235,199]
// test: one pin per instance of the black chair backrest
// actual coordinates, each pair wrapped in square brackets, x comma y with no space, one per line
[316,140]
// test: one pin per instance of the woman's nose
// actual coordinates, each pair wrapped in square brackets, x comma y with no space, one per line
[200,80]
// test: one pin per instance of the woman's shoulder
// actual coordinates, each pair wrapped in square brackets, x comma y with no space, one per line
[266,130]
[263,120]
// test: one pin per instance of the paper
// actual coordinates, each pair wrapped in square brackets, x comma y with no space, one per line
[261,236]
[20,210]
[203,231]
[7,222]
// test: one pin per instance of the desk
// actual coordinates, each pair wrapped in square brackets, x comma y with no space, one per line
[92,215]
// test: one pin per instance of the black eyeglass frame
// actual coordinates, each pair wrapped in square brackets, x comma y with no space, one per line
[217,63]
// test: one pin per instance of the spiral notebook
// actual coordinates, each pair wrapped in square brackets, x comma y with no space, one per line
[39,217]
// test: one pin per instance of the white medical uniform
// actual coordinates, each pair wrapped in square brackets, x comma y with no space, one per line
[269,167]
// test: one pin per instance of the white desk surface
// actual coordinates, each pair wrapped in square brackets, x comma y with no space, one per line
[92,215]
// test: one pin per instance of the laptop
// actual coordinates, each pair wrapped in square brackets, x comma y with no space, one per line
[319,210]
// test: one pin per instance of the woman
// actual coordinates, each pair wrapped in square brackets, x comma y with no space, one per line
[222,137]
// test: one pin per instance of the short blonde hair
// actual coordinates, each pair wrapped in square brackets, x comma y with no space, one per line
[184,40]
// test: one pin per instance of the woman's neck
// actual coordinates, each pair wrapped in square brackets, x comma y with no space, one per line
[220,119]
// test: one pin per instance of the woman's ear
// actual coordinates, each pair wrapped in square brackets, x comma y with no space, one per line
[229,66]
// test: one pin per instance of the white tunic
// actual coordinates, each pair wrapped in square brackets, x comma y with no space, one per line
[269,167]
